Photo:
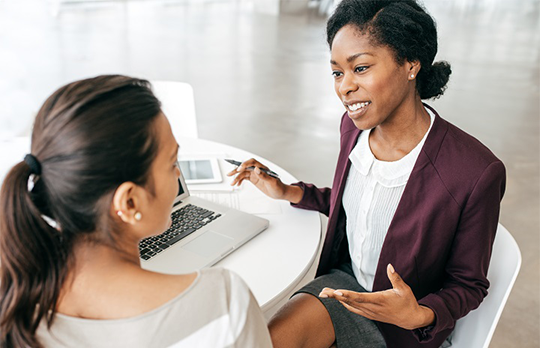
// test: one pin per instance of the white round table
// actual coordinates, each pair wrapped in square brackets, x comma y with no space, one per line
[283,257]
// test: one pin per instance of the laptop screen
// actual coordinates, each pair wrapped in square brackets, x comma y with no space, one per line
[180,188]
[183,192]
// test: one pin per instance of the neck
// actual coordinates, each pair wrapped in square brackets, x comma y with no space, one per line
[91,261]
[89,256]
[401,132]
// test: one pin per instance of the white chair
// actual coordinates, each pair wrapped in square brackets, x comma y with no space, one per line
[178,104]
[476,328]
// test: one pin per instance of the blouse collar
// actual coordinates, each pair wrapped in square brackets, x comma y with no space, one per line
[389,174]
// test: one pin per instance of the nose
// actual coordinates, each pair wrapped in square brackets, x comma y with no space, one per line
[348,84]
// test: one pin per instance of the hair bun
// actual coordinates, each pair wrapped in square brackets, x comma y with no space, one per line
[432,82]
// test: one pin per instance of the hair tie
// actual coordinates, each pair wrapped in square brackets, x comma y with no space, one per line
[33,163]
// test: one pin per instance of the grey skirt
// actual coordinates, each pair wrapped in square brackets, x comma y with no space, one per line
[351,330]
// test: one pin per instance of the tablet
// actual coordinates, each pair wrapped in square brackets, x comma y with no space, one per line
[200,170]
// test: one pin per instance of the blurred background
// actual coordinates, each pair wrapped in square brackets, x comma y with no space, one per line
[262,82]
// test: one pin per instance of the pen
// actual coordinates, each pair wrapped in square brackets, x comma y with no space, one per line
[267,171]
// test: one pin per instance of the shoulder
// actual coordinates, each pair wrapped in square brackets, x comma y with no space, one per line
[223,276]
[230,283]
[458,148]
[460,159]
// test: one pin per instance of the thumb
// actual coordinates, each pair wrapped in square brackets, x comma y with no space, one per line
[260,174]
[394,277]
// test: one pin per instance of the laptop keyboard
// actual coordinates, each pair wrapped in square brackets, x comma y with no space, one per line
[185,221]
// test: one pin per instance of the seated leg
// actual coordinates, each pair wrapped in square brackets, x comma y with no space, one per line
[302,322]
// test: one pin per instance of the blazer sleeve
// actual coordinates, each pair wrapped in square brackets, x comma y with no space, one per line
[314,198]
[466,284]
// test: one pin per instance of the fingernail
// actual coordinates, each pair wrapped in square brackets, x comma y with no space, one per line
[391,268]
[339,293]
[323,295]
[257,170]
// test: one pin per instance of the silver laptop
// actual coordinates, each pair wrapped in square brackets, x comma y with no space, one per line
[202,233]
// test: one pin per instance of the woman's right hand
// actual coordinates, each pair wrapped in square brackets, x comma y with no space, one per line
[270,186]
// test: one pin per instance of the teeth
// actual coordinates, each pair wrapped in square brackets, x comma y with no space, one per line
[354,107]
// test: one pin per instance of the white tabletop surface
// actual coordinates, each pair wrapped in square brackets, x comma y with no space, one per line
[275,262]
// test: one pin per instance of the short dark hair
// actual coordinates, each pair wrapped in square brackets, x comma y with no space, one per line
[403,26]
[89,136]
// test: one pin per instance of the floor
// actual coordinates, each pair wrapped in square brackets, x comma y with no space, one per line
[262,82]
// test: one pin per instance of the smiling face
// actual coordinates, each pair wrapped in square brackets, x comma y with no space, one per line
[372,86]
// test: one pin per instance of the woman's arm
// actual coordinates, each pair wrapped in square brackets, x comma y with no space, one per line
[466,269]
[313,198]
[466,284]
[300,195]
[247,321]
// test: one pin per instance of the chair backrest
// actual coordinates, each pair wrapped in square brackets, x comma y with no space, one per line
[178,104]
[476,328]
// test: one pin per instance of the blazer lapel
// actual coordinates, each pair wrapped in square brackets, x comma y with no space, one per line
[400,229]
[344,163]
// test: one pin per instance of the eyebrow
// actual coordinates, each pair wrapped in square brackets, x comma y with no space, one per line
[353,57]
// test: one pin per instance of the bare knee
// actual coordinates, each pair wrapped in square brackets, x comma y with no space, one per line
[302,322]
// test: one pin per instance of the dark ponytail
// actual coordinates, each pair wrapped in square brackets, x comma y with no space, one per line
[406,28]
[32,258]
[89,137]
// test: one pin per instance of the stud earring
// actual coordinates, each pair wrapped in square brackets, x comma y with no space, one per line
[412,76]
[119,213]
[138,216]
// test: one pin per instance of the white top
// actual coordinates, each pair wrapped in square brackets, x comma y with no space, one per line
[217,310]
[372,193]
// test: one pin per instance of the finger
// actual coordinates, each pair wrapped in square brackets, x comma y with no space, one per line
[235,180]
[393,276]
[350,296]
[240,177]
[262,175]
[232,172]
[327,292]
[359,311]
[355,298]
[370,308]
[248,178]
[367,309]
[251,163]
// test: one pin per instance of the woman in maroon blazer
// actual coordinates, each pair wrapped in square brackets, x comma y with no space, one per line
[434,189]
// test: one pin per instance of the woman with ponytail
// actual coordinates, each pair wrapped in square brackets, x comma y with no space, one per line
[102,175]
[414,204]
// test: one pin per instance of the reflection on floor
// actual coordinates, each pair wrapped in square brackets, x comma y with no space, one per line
[262,82]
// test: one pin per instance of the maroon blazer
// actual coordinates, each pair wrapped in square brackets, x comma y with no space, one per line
[442,233]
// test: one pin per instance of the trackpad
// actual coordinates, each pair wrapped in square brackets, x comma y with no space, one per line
[210,244]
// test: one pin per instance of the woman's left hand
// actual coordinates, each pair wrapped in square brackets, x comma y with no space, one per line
[396,306]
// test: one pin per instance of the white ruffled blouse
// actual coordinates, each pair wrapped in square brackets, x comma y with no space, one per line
[372,193]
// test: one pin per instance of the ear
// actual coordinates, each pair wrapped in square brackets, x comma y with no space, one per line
[413,69]
[125,202]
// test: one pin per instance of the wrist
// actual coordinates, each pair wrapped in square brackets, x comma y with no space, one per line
[426,317]
[293,194]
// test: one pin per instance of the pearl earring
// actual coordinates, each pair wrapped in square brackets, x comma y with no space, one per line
[412,76]
[138,216]
[119,213]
